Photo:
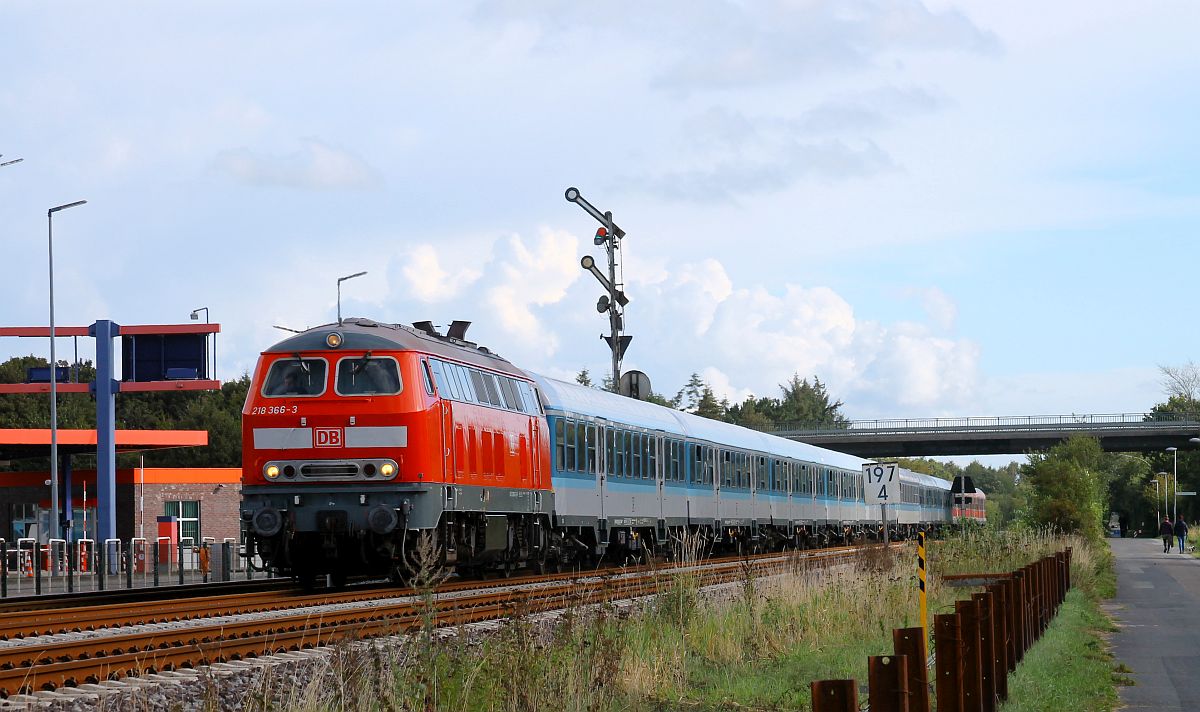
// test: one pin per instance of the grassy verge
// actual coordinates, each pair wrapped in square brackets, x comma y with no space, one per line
[1070,667]
[754,645]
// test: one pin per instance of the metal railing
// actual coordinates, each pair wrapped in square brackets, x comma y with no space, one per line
[976,424]
[56,566]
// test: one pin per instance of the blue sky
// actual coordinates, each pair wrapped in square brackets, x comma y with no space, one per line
[939,208]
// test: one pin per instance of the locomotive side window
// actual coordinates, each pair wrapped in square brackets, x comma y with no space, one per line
[295,378]
[368,376]
[426,375]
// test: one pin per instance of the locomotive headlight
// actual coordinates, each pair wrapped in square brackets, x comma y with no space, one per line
[387,469]
[272,472]
[333,340]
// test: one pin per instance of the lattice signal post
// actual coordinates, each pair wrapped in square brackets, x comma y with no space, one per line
[157,357]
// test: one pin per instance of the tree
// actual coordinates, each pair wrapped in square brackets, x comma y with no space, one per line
[1067,487]
[584,378]
[810,404]
[709,406]
[1181,382]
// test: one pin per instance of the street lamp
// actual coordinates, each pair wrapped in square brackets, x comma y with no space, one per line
[1166,479]
[1175,482]
[54,513]
[339,290]
[9,163]
[195,316]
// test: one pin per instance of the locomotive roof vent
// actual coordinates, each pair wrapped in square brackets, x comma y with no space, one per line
[458,329]
[428,328]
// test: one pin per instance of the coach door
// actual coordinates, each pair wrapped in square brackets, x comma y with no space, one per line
[604,437]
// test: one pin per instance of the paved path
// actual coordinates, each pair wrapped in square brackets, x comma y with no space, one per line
[1157,611]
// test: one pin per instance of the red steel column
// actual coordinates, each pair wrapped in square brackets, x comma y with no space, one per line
[948,649]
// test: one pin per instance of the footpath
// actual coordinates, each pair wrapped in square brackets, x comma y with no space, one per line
[1157,612]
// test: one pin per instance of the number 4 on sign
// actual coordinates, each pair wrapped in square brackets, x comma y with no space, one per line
[881,482]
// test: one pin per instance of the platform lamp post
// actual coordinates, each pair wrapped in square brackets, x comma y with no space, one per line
[1175,483]
[195,315]
[55,524]
[339,290]
[1166,481]
[1157,511]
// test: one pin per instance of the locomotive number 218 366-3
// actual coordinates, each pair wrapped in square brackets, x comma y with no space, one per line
[274,409]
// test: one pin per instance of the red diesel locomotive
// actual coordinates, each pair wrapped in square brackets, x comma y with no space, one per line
[349,452]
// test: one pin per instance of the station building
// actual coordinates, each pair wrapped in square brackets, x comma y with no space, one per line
[205,500]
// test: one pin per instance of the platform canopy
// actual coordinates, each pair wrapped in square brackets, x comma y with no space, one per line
[20,443]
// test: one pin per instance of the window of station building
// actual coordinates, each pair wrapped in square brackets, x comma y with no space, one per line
[188,513]
[368,376]
[295,378]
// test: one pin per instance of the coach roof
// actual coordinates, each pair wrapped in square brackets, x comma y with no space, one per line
[367,335]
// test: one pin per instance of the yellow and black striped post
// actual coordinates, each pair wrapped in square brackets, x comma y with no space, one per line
[921,581]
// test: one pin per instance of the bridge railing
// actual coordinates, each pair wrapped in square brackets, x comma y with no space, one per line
[1091,421]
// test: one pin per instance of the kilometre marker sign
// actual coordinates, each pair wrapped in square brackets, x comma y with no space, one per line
[880,483]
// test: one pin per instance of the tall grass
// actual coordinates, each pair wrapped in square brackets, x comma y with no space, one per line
[755,644]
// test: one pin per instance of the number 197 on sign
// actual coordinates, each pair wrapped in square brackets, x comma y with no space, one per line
[880,484]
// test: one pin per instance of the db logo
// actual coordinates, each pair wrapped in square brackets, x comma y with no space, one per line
[329,437]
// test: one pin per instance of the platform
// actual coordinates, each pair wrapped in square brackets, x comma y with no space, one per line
[1157,612]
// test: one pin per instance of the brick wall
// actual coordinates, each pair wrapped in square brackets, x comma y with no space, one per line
[218,507]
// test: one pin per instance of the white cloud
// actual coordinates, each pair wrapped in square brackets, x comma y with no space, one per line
[528,278]
[938,306]
[428,281]
[316,166]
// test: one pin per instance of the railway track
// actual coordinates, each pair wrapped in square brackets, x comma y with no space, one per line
[266,622]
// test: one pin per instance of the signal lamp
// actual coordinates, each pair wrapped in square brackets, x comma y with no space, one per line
[333,340]
[272,472]
[387,469]
[601,236]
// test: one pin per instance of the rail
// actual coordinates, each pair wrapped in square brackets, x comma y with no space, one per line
[1003,423]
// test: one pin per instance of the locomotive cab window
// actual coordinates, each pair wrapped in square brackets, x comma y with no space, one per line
[295,378]
[368,376]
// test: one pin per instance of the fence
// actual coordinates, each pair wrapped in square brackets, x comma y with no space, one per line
[975,648]
[58,566]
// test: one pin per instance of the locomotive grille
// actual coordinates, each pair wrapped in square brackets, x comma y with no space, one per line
[329,469]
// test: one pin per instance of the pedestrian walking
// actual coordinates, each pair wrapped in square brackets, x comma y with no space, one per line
[1181,530]
[1166,530]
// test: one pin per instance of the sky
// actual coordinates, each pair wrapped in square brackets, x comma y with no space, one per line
[938,208]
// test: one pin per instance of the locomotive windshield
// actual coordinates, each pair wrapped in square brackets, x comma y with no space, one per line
[366,376]
[295,378]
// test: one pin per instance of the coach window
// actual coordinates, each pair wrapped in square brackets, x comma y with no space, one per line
[627,445]
[591,449]
[635,455]
[427,375]
[560,444]
[652,456]
[295,378]
[571,449]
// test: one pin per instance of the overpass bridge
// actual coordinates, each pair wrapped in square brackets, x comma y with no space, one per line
[1004,435]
